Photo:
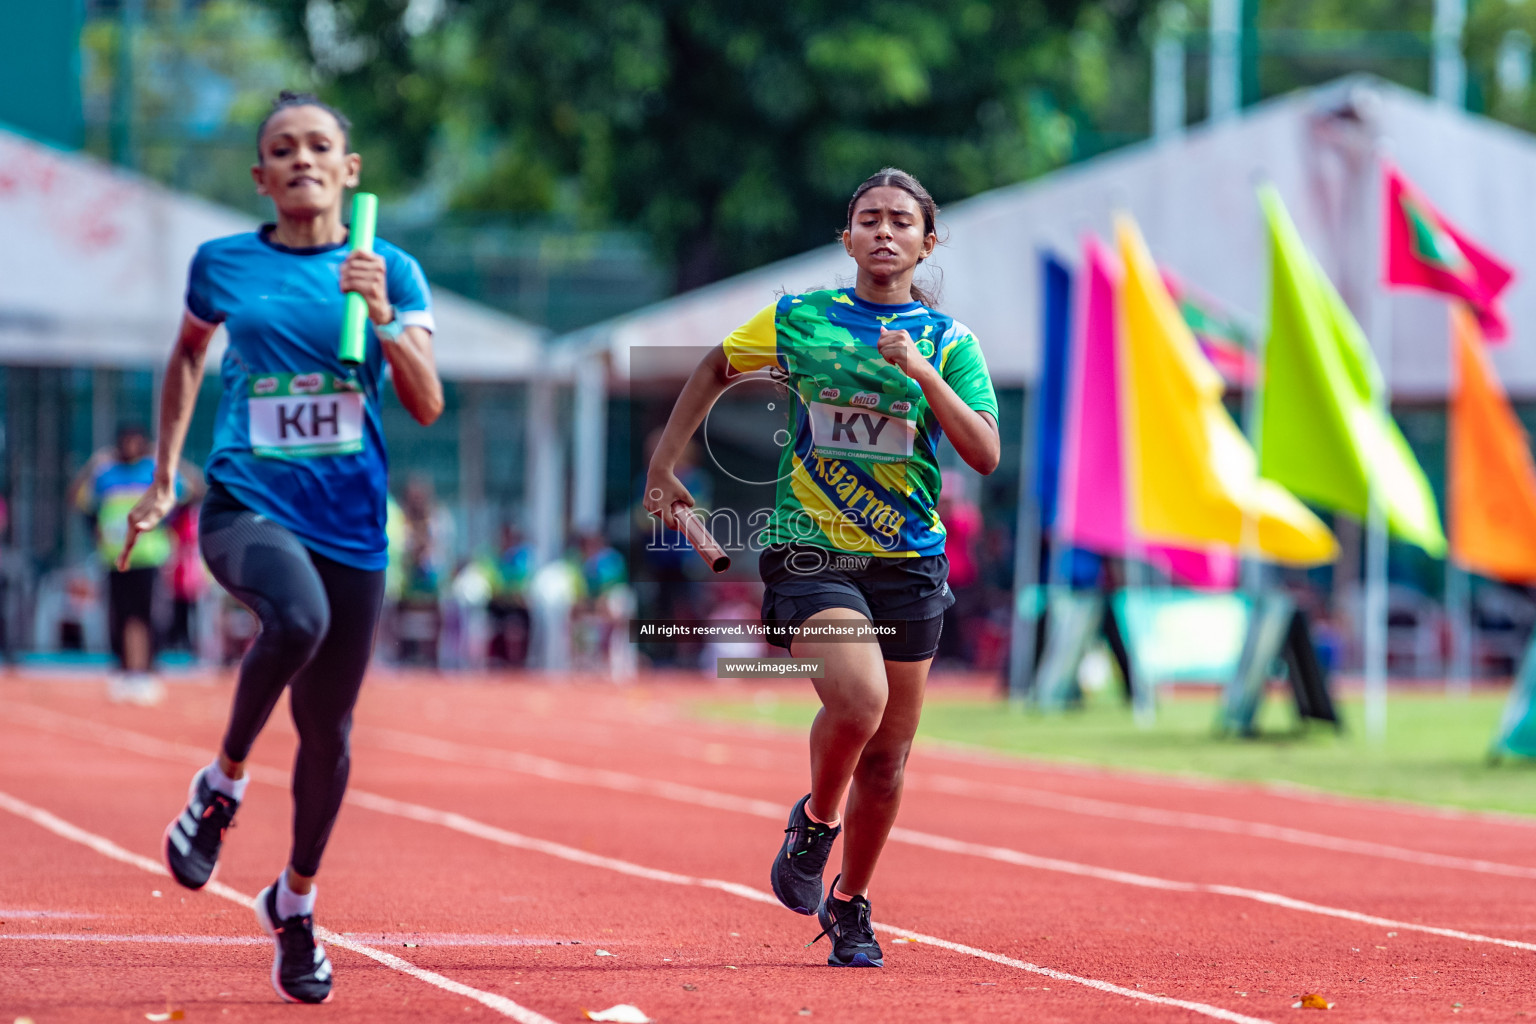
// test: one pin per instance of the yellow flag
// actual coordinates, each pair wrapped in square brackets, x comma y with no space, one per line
[1192,477]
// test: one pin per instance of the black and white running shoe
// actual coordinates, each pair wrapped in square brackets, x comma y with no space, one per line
[853,936]
[797,869]
[193,840]
[301,972]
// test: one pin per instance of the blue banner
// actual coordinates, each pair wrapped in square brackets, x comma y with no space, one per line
[1051,396]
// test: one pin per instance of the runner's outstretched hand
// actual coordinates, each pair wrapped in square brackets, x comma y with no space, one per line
[153,506]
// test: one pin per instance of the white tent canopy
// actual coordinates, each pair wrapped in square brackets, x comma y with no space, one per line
[1194,197]
[93,265]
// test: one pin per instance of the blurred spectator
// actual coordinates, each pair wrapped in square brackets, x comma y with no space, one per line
[188,580]
[606,603]
[465,638]
[105,489]
[513,569]
[667,589]
[427,550]
[963,527]
[735,602]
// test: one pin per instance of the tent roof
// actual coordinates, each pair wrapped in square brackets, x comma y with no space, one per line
[94,261]
[1194,197]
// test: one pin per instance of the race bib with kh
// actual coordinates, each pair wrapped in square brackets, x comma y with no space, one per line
[304,415]
[860,430]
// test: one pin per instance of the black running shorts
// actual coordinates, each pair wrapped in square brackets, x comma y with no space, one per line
[800,580]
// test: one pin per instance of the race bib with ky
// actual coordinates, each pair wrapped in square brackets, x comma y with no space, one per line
[304,415]
[866,426]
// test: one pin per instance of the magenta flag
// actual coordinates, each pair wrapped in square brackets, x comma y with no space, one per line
[1091,513]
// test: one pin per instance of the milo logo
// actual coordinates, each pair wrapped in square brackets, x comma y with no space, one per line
[264,386]
[867,399]
[901,407]
[828,394]
[305,383]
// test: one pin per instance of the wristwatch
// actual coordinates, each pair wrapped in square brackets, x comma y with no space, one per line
[392,330]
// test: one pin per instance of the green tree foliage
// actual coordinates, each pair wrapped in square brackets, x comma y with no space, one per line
[202,77]
[730,133]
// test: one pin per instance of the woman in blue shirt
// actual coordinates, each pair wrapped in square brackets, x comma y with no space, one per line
[293,524]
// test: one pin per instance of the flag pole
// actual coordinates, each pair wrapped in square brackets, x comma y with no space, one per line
[1375,604]
[1458,590]
[1458,607]
[1026,551]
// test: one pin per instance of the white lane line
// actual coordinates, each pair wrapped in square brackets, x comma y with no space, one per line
[972,754]
[432,940]
[107,848]
[504,837]
[624,782]
[446,750]
[955,786]
[157,940]
[1092,807]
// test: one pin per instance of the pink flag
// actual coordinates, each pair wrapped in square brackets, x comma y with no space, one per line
[1092,510]
[1425,250]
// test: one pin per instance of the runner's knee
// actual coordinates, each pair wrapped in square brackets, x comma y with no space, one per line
[881,770]
[298,626]
[855,709]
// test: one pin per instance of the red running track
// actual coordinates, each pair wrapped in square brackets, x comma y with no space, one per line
[498,835]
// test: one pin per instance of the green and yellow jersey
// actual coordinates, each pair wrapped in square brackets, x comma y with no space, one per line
[861,471]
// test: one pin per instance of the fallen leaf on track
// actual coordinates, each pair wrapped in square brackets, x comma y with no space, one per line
[623,1013]
[1312,1001]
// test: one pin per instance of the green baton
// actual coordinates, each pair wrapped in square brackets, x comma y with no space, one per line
[365,209]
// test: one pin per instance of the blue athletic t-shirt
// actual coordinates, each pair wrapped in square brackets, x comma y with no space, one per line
[298,437]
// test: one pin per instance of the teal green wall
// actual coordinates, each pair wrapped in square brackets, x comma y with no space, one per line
[40,73]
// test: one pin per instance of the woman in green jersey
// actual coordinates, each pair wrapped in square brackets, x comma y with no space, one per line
[879,377]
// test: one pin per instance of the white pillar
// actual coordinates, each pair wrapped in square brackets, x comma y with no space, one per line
[590,455]
[1226,82]
[1168,100]
[544,479]
[1450,67]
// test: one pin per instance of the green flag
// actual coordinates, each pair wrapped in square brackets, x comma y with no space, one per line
[1327,432]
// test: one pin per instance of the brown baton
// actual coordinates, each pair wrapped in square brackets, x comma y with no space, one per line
[699,536]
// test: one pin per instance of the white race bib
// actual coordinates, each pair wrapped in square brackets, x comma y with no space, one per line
[304,415]
[847,431]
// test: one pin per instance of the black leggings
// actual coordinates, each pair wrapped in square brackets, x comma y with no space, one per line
[317,624]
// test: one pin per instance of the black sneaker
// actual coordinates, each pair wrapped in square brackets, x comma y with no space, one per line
[301,972]
[853,937]
[193,840]
[796,873]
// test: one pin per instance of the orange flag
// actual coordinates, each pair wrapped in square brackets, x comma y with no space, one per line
[1492,480]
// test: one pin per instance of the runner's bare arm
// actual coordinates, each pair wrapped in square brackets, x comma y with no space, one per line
[414,372]
[410,356]
[183,375]
[662,487]
[974,434]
